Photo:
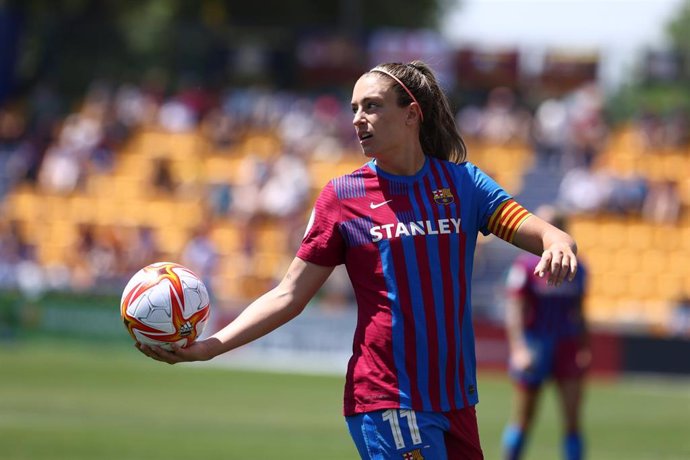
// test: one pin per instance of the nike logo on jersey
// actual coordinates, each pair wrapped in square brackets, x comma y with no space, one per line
[373,205]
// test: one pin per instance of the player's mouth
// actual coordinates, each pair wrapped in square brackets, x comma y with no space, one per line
[363,137]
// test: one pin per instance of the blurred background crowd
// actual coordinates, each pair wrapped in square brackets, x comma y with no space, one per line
[200,132]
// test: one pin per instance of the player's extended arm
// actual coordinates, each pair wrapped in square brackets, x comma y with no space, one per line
[520,355]
[268,312]
[557,249]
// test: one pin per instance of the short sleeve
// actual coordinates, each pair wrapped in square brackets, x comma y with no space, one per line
[488,194]
[323,243]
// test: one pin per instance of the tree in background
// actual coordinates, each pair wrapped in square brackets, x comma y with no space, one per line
[661,87]
[69,43]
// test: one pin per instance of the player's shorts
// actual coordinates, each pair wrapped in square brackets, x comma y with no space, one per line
[553,358]
[404,434]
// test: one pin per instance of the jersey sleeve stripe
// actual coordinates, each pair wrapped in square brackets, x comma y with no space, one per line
[507,219]
[510,219]
[518,222]
[495,215]
[508,214]
[500,215]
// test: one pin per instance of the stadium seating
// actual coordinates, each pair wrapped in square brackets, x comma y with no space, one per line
[638,268]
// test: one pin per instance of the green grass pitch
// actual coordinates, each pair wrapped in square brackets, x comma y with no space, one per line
[73,401]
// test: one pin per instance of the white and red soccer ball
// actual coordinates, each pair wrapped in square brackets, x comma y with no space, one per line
[165,303]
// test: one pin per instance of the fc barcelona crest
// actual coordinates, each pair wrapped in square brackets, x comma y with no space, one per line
[413,455]
[443,196]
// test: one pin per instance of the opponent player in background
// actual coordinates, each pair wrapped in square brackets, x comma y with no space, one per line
[548,338]
[405,225]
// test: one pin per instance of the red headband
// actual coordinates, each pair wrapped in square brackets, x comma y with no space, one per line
[409,93]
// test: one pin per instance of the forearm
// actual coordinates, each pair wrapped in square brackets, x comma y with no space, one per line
[536,237]
[268,312]
[273,309]
[262,316]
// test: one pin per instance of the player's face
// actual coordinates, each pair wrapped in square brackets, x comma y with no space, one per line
[378,119]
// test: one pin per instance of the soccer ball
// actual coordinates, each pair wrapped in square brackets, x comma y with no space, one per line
[164,304]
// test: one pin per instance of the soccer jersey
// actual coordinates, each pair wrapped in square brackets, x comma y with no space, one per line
[408,243]
[550,311]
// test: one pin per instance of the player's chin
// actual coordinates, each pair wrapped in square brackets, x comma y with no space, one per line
[368,153]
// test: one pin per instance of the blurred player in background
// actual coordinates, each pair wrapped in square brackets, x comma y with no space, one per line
[548,338]
[405,225]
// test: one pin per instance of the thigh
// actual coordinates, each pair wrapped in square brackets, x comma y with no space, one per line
[462,437]
[566,366]
[399,434]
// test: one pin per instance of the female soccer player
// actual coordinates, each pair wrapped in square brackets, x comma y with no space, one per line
[405,226]
[548,338]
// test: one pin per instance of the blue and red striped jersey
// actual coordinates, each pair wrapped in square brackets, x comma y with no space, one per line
[549,311]
[408,245]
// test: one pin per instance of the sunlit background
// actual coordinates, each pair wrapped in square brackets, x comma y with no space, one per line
[201,133]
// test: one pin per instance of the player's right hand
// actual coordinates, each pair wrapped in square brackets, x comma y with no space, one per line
[521,359]
[197,351]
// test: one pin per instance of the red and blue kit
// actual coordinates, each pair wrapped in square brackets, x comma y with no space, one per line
[550,311]
[408,245]
[553,322]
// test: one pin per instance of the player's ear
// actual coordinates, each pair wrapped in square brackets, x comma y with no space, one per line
[413,113]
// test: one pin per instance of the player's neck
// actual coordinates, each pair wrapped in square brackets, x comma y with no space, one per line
[402,163]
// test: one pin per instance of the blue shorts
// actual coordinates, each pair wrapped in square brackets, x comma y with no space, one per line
[410,435]
[553,358]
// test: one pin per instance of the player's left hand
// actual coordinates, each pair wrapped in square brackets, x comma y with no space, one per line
[558,263]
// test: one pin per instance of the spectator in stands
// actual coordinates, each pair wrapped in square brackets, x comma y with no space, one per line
[142,249]
[78,258]
[221,128]
[61,170]
[587,127]
[12,147]
[163,180]
[548,338]
[678,128]
[134,107]
[252,175]
[14,250]
[200,255]
[283,196]
[583,190]
[97,258]
[550,132]
[503,120]
[405,226]
[662,203]
[627,194]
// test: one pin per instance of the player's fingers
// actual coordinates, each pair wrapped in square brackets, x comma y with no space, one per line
[541,268]
[159,354]
[573,268]
[555,269]
[143,349]
[568,268]
[168,356]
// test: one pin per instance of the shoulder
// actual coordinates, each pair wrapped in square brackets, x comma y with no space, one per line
[351,185]
[465,170]
[458,171]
